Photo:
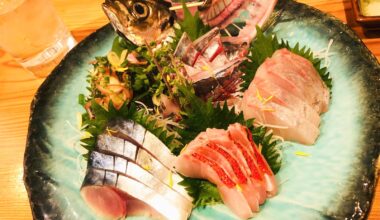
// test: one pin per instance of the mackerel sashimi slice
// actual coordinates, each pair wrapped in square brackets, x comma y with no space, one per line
[288,95]
[230,160]
[131,172]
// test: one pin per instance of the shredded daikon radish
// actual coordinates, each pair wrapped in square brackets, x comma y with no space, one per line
[325,54]
[147,110]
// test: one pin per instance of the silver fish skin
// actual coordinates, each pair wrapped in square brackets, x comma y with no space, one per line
[137,183]
[224,81]
[137,135]
[113,153]
[141,21]
[114,165]
[134,170]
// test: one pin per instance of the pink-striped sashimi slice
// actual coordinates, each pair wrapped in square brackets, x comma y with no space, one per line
[253,188]
[230,164]
[243,136]
[198,166]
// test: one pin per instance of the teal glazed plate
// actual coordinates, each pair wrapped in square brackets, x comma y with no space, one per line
[335,181]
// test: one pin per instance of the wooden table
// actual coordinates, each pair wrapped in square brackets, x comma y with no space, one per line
[17,88]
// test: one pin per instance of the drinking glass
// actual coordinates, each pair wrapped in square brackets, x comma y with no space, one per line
[33,33]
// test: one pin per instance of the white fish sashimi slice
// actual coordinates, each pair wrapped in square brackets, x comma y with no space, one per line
[265,72]
[271,92]
[310,92]
[286,122]
[302,73]
[305,67]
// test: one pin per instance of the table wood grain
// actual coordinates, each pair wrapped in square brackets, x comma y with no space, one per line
[17,88]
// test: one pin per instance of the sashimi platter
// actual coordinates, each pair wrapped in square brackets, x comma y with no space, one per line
[215,109]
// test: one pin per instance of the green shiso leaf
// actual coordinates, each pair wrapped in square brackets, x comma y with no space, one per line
[197,117]
[203,192]
[192,25]
[264,46]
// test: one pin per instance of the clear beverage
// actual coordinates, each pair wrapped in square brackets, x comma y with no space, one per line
[32,32]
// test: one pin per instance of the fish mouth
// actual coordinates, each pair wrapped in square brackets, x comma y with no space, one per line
[110,9]
[220,10]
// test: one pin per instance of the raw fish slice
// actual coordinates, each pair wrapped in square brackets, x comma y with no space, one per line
[201,146]
[140,156]
[197,167]
[141,192]
[97,179]
[220,137]
[299,72]
[253,189]
[294,127]
[136,172]
[139,136]
[229,157]
[305,66]
[105,201]
[110,202]
[299,77]
[233,201]
[243,184]
[143,174]
[136,207]
[218,159]
[208,67]
[202,42]
[265,72]
[243,136]
[271,92]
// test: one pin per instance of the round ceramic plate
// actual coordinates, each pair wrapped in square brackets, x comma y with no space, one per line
[336,180]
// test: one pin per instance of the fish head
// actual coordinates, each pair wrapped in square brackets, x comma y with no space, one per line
[140,21]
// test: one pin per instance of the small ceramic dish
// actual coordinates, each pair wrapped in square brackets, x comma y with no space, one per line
[365,17]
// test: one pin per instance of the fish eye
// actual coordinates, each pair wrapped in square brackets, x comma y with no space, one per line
[140,10]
